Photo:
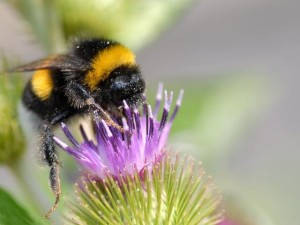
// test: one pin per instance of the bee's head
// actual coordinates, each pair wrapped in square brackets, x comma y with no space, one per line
[127,84]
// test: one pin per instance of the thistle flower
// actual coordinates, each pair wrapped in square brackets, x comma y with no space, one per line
[143,145]
[132,179]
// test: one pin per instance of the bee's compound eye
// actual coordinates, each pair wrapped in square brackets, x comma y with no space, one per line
[128,87]
[118,90]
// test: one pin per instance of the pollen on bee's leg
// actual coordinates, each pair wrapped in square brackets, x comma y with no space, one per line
[90,101]
[105,116]
[112,123]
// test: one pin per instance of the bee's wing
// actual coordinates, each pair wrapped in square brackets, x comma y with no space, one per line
[60,62]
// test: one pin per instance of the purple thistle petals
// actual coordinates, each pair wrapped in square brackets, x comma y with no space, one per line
[69,135]
[178,104]
[137,121]
[125,125]
[104,137]
[165,113]
[83,133]
[91,160]
[85,138]
[150,140]
[99,135]
[128,115]
[107,130]
[158,99]
[141,145]
[102,146]
[126,135]
[77,155]
[151,122]
[163,136]
[60,143]
[64,146]
[145,117]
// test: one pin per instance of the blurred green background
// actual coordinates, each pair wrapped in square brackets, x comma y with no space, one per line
[237,62]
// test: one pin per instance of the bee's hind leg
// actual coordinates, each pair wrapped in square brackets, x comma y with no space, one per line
[51,159]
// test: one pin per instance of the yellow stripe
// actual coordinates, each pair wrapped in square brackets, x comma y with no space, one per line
[42,84]
[105,62]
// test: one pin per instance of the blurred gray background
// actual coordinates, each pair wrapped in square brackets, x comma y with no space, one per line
[217,37]
[261,36]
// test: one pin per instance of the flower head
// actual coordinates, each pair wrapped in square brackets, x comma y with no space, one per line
[142,145]
[175,191]
[132,179]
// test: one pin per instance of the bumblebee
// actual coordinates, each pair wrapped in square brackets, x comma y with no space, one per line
[96,75]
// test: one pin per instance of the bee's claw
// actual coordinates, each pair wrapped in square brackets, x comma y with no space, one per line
[48,214]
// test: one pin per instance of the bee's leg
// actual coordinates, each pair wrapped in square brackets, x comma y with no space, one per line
[50,157]
[80,97]
[60,117]
[104,115]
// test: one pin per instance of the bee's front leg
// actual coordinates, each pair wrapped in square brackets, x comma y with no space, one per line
[79,97]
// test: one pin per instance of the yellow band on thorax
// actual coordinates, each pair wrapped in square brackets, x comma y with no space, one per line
[42,84]
[105,62]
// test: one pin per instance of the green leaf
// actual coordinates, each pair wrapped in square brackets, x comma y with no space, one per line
[131,22]
[134,23]
[12,213]
[12,141]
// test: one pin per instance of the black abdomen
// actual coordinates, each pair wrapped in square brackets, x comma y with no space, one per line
[45,95]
